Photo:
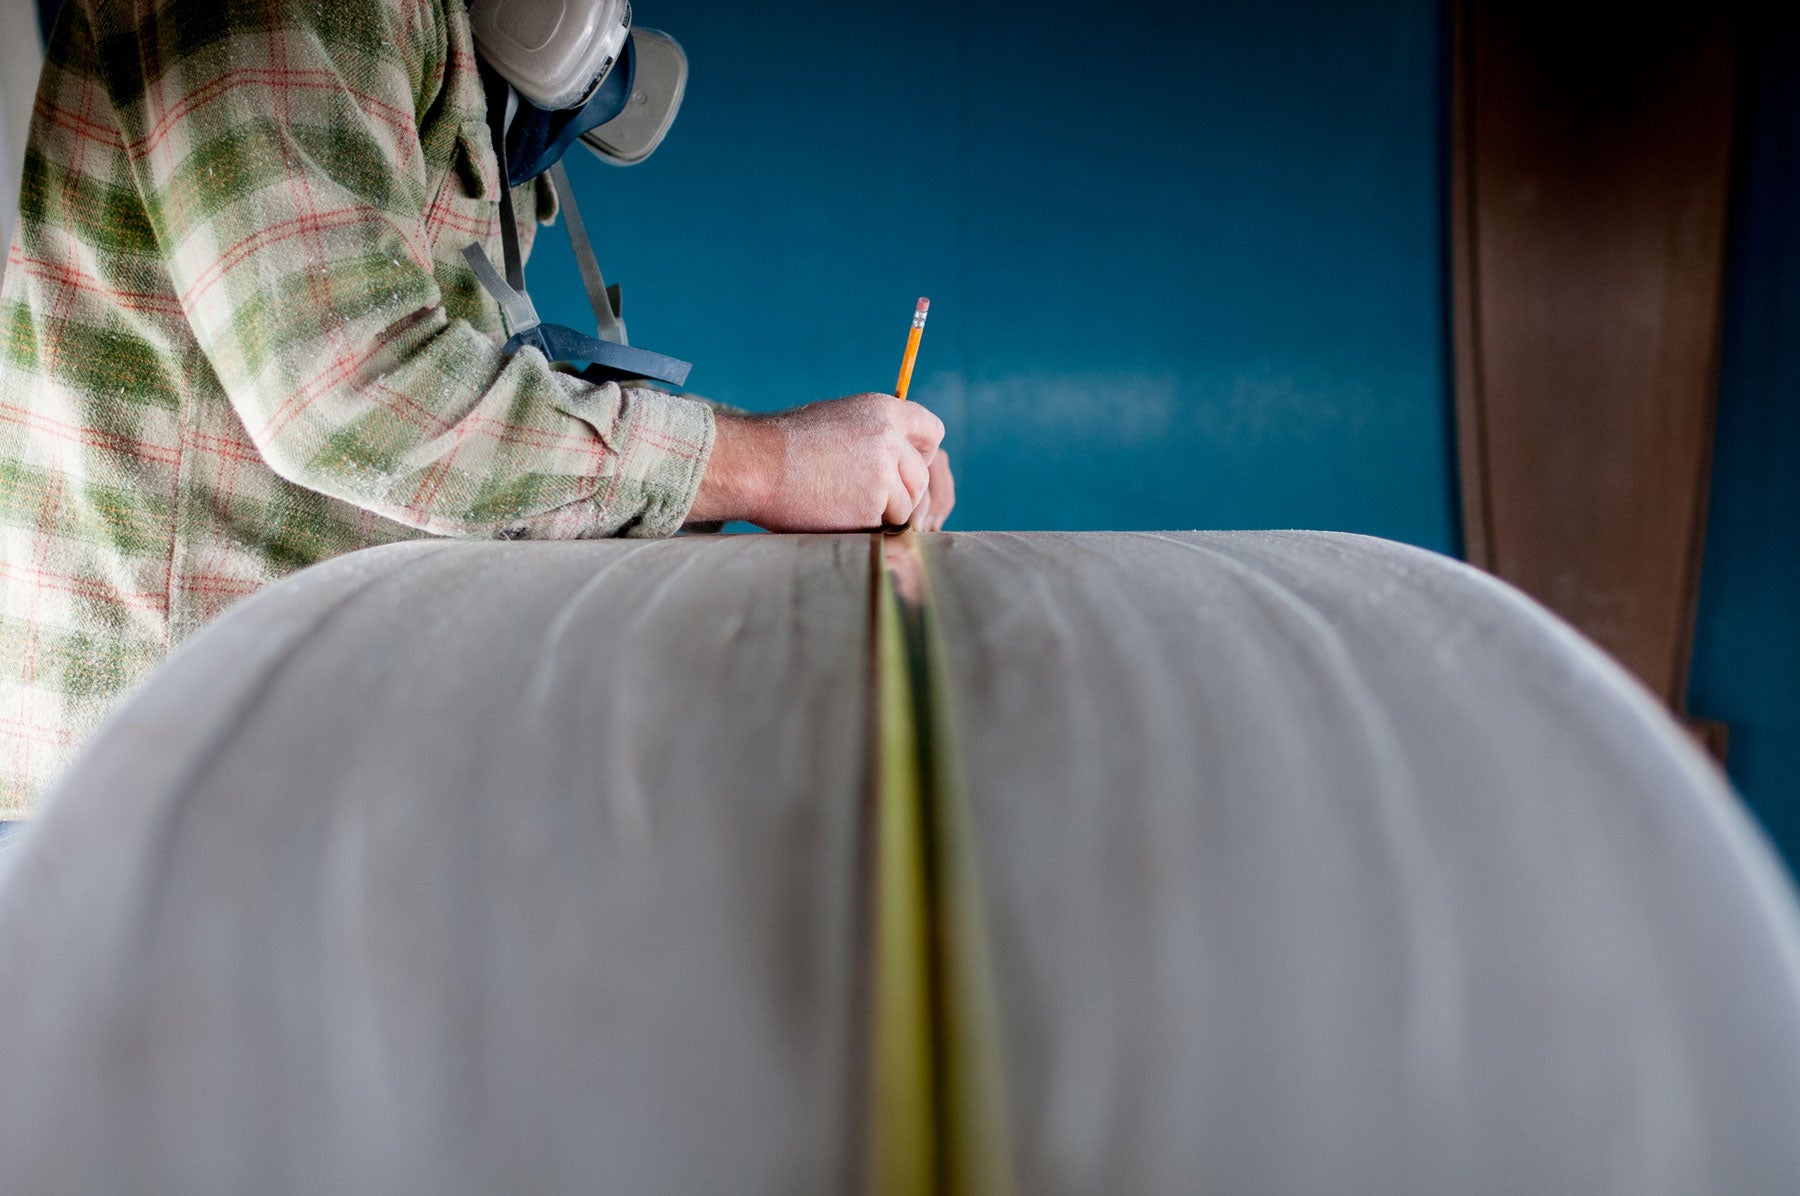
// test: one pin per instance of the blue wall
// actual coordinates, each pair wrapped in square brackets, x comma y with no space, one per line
[1186,267]
[1747,651]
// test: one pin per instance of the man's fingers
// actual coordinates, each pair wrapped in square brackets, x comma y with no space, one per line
[933,518]
[911,478]
[944,482]
[900,505]
[914,475]
[922,428]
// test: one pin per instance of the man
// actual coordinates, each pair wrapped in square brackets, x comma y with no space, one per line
[240,337]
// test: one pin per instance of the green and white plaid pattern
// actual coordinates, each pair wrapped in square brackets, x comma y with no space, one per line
[239,337]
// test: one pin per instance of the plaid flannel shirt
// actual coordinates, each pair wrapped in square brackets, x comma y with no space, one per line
[240,338]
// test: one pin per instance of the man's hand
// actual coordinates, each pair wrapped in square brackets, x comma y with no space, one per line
[842,465]
[940,496]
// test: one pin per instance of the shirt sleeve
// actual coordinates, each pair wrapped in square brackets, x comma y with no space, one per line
[278,151]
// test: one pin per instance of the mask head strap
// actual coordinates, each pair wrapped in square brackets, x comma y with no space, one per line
[609,358]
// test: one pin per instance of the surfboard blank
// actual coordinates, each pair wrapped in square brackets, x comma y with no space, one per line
[1309,862]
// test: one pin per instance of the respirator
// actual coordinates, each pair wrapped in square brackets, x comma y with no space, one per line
[559,72]
[578,70]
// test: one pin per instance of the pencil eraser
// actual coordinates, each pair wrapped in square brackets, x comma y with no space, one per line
[924,305]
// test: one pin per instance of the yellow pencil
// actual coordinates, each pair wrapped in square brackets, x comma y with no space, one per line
[912,349]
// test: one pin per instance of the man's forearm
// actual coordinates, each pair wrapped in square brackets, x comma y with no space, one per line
[745,459]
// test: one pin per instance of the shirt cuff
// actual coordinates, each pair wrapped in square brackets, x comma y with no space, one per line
[663,442]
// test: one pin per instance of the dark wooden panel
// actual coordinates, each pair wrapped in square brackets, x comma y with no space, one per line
[1590,181]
